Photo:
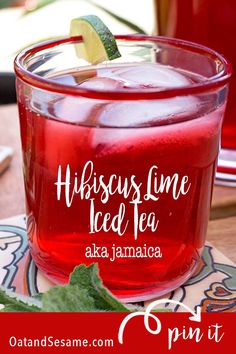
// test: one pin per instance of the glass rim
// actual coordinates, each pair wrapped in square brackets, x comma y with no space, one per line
[210,84]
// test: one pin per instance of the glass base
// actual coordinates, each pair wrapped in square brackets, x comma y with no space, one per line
[136,295]
[226,169]
[139,295]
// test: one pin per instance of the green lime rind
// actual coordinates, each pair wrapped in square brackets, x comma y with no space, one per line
[105,35]
[99,42]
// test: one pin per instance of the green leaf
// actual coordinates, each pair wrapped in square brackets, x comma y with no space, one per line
[17,303]
[86,277]
[38,297]
[84,293]
[68,298]
[123,20]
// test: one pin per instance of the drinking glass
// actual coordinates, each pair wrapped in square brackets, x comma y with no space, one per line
[119,159]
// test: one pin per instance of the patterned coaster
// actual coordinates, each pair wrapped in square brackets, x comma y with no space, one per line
[213,286]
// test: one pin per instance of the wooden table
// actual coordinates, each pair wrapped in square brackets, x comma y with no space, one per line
[222,227]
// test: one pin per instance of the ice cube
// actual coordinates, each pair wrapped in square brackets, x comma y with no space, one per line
[102,83]
[136,76]
[139,112]
[146,113]
[150,75]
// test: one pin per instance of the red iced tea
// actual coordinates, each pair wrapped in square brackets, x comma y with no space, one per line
[119,169]
[66,135]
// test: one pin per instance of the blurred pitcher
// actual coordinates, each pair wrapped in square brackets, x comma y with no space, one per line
[213,24]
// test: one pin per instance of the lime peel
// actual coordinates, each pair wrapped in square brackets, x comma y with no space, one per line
[98,43]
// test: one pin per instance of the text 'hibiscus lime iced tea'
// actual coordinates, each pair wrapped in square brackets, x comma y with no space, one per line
[119,168]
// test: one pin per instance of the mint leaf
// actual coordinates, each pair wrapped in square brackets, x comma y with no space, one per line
[84,293]
[17,303]
[87,277]
[68,298]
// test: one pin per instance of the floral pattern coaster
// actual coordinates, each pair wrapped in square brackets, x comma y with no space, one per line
[213,286]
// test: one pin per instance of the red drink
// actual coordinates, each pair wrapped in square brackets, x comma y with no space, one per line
[125,183]
[212,23]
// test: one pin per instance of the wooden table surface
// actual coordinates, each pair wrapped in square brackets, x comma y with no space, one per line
[222,226]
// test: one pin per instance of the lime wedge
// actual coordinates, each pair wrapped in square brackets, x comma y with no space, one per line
[98,43]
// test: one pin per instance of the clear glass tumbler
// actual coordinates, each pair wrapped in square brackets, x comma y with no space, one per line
[120,158]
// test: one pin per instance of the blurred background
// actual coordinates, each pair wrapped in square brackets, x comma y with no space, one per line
[25,22]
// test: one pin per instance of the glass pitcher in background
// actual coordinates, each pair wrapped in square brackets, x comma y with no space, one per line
[213,24]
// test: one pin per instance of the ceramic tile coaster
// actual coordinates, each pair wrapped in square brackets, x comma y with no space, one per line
[213,286]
